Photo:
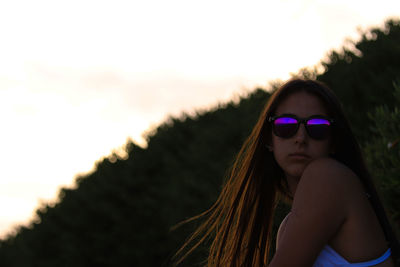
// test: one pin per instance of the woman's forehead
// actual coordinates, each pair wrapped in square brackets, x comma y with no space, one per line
[301,104]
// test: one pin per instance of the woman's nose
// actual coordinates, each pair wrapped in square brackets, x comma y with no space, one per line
[301,134]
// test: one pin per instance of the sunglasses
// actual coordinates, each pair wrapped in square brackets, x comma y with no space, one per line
[285,126]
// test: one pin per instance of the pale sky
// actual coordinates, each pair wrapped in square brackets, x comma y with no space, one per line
[77,78]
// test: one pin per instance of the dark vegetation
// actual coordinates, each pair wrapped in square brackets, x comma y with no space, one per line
[121,213]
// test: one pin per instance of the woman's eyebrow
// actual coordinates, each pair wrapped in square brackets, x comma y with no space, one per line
[294,115]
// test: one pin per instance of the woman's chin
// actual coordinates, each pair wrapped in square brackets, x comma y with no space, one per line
[296,171]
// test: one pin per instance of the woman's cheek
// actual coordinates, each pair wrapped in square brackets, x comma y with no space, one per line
[280,159]
[289,167]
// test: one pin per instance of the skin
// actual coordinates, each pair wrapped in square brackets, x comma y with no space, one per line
[302,105]
[337,213]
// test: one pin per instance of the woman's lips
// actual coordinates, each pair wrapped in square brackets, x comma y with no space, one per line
[300,156]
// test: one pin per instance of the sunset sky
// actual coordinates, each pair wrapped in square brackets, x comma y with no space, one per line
[77,78]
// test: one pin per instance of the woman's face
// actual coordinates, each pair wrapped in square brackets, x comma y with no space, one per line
[295,153]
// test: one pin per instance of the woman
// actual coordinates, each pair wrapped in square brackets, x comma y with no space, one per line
[301,148]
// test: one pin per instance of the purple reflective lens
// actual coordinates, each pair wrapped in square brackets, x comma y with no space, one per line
[285,120]
[318,128]
[285,127]
[318,122]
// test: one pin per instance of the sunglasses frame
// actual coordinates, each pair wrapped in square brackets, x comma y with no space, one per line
[299,121]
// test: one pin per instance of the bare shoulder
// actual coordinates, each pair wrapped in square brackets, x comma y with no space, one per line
[328,176]
[320,206]
[325,182]
[329,167]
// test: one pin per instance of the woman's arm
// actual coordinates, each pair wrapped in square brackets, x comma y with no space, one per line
[319,208]
[281,230]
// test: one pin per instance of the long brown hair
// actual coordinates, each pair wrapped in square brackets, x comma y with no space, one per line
[240,221]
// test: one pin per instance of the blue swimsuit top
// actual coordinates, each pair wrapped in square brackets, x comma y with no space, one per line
[330,258]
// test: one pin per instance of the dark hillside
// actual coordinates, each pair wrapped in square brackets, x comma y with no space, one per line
[363,77]
[121,214]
